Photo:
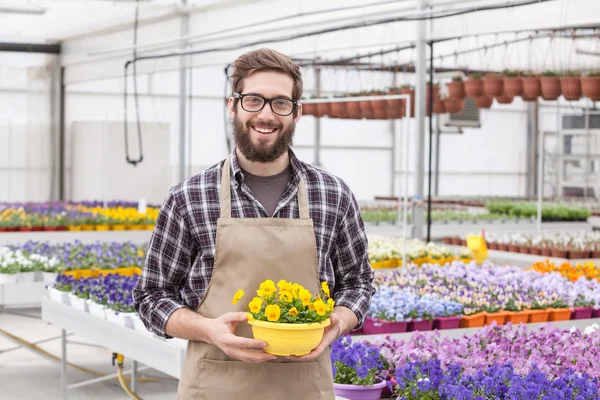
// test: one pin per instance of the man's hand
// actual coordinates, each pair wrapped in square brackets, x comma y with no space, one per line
[332,332]
[220,332]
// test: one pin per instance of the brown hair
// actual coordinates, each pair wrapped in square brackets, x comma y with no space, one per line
[265,60]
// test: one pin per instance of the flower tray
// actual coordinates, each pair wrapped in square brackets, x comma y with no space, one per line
[560,314]
[518,317]
[421,326]
[472,321]
[376,326]
[442,323]
[596,313]
[289,339]
[538,316]
[499,317]
[582,313]
[359,392]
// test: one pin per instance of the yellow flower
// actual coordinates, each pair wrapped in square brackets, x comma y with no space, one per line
[311,306]
[237,296]
[284,286]
[286,296]
[249,316]
[320,307]
[267,288]
[273,312]
[255,305]
[325,288]
[305,296]
[296,289]
[293,312]
[331,304]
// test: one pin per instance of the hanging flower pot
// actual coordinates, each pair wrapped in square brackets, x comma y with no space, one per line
[456,88]
[454,105]
[474,86]
[338,109]
[531,88]
[353,109]
[550,85]
[395,107]
[590,86]
[484,101]
[570,86]
[493,85]
[379,106]
[438,106]
[436,97]
[309,108]
[323,109]
[504,99]
[408,90]
[513,83]
[366,107]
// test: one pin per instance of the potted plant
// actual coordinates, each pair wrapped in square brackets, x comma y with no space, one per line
[516,314]
[288,317]
[590,86]
[9,266]
[409,90]
[484,101]
[61,289]
[539,310]
[308,108]
[582,308]
[550,86]
[474,85]
[559,311]
[513,83]
[531,87]
[456,88]
[357,370]
[493,85]
[570,85]
[451,316]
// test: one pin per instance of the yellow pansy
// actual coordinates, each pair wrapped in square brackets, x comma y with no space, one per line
[237,296]
[325,288]
[286,296]
[331,304]
[267,288]
[305,296]
[320,307]
[311,306]
[255,305]
[284,286]
[293,312]
[296,289]
[272,312]
[249,316]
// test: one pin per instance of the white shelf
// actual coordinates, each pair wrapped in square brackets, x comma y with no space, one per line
[137,237]
[22,295]
[580,324]
[153,352]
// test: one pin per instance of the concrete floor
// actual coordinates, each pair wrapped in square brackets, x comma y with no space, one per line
[25,375]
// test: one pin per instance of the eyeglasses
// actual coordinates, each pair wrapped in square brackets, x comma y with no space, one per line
[254,103]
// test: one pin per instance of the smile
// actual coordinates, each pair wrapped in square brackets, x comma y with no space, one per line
[265,131]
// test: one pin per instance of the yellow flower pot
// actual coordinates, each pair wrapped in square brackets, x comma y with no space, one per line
[289,339]
[87,227]
[150,227]
[118,227]
[75,228]
[102,227]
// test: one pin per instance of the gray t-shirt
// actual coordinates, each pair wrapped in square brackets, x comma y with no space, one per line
[268,189]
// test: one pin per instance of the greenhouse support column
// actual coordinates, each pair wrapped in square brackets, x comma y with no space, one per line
[532,148]
[430,167]
[540,175]
[185,30]
[317,156]
[421,66]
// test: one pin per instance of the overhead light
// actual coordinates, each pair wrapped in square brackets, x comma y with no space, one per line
[29,9]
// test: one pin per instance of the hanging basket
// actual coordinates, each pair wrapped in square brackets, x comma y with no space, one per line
[570,87]
[454,106]
[531,88]
[323,109]
[438,106]
[493,85]
[436,97]
[590,87]
[395,107]
[410,92]
[513,86]
[353,110]
[504,99]
[484,101]
[379,107]
[309,109]
[473,87]
[456,90]
[550,87]
[366,109]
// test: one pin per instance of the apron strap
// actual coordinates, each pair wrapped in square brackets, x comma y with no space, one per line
[225,200]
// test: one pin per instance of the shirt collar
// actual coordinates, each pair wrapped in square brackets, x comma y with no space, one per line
[297,168]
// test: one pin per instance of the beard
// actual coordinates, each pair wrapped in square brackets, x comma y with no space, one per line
[262,153]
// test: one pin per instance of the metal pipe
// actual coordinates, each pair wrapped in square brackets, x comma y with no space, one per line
[63,364]
[430,141]
[61,137]
[317,153]
[182,94]
[540,174]
[405,154]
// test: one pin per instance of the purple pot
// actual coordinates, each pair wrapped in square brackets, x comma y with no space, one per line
[359,331]
[582,313]
[376,327]
[423,325]
[356,392]
[446,322]
[596,313]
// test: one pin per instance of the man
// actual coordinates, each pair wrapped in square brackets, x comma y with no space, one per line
[260,214]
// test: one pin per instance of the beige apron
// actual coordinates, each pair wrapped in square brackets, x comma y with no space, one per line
[249,251]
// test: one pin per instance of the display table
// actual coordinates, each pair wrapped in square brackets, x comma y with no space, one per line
[155,353]
[86,237]
[22,294]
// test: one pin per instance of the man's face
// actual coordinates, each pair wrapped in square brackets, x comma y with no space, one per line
[264,136]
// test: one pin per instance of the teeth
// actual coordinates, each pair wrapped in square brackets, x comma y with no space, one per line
[262,130]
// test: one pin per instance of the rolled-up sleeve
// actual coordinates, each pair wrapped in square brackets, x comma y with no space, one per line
[353,273]
[156,295]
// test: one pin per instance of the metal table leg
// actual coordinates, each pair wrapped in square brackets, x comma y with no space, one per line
[63,364]
[134,371]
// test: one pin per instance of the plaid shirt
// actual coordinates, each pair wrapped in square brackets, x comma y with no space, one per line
[182,248]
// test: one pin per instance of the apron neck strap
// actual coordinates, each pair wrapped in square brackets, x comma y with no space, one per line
[225,199]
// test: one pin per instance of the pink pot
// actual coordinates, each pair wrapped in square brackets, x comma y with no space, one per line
[596,314]
[356,392]
[421,326]
[582,313]
[377,327]
[446,322]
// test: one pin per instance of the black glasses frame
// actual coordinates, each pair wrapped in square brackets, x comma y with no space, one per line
[265,101]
